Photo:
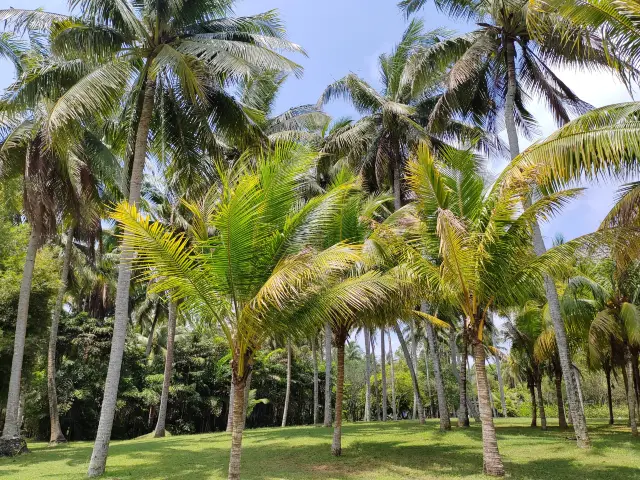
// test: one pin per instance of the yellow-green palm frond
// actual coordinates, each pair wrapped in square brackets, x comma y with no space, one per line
[630,316]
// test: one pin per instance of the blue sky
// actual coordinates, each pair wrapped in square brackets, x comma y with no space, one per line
[342,36]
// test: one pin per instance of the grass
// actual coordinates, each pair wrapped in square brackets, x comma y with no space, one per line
[374,451]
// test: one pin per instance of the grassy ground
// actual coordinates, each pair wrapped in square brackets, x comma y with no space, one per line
[375,451]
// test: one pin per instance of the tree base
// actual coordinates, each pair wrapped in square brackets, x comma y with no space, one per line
[57,441]
[12,447]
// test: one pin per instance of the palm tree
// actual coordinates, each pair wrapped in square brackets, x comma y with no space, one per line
[489,56]
[367,375]
[445,421]
[250,266]
[394,406]
[396,119]
[383,370]
[449,234]
[288,389]
[151,54]
[327,375]
[412,371]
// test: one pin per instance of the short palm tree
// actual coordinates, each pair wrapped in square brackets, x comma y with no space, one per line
[146,56]
[252,265]
[471,246]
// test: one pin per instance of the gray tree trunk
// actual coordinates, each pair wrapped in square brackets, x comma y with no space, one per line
[11,422]
[56,436]
[412,372]
[101,446]
[316,393]
[631,398]
[463,413]
[336,446]
[287,396]
[499,373]
[474,400]
[577,412]
[490,454]
[383,370]
[375,373]
[428,382]
[394,407]
[543,415]
[232,396]
[327,375]
[414,362]
[445,421]
[238,427]
[168,369]
[152,331]
[367,375]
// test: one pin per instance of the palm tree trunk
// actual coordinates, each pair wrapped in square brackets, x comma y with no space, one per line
[490,454]
[287,396]
[426,368]
[101,446]
[316,393]
[543,416]
[232,396]
[11,428]
[412,372]
[238,427]
[463,414]
[534,407]
[562,421]
[56,435]
[631,397]
[445,422]
[336,446]
[394,407]
[327,375]
[383,371]
[503,401]
[168,368]
[152,331]
[367,375]
[414,360]
[474,401]
[577,412]
[374,362]
[607,372]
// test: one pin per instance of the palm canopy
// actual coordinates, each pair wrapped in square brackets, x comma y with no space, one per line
[189,52]
[396,119]
[253,257]
[484,55]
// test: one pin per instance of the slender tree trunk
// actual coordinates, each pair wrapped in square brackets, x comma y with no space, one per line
[367,375]
[327,376]
[56,435]
[374,362]
[412,372]
[543,416]
[491,456]
[562,421]
[336,446]
[288,393]
[383,371]
[394,407]
[238,427]
[474,400]
[168,369]
[11,428]
[503,401]
[445,422]
[152,331]
[577,412]
[414,360]
[534,407]
[463,414]
[631,397]
[232,393]
[607,372]
[247,390]
[101,446]
[316,386]
[426,367]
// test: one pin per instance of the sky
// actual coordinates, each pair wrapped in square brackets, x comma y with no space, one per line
[343,36]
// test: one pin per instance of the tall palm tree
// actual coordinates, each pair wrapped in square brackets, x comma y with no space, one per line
[288,389]
[367,375]
[393,379]
[456,221]
[383,373]
[488,55]
[327,375]
[151,54]
[398,117]
[445,421]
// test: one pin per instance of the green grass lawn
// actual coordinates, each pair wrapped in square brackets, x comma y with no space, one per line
[374,451]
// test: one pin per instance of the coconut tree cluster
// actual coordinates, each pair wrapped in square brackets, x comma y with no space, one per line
[199,238]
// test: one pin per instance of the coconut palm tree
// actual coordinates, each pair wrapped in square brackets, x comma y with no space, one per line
[449,233]
[151,54]
[288,389]
[393,379]
[327,375]
[489,56]
[398,117]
